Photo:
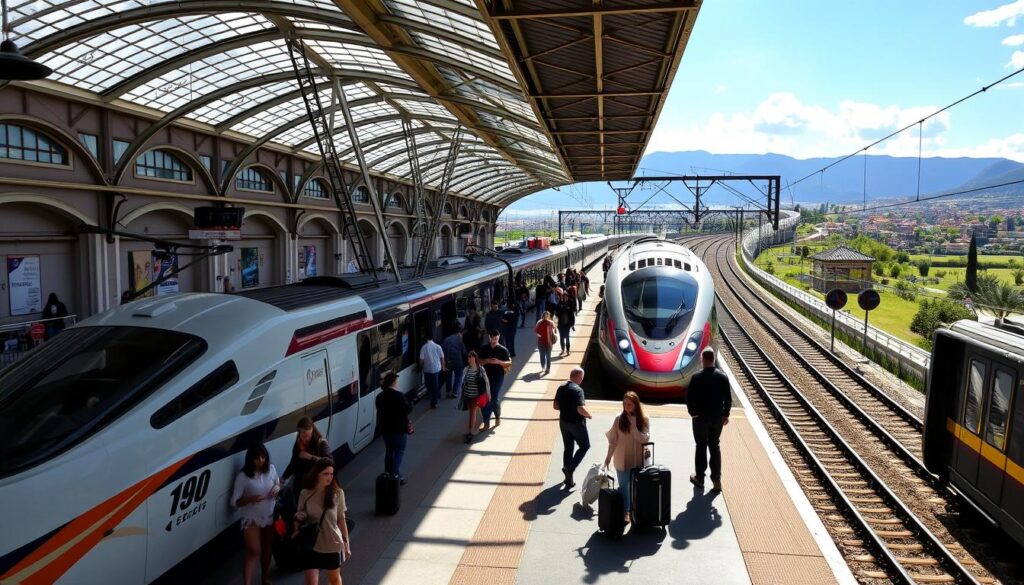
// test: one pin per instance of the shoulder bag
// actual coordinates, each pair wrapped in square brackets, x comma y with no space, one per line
[552,338]
[308,532]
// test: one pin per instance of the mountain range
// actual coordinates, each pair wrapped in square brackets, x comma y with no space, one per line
[887,177]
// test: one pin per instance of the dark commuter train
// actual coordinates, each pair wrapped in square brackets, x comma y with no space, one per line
[121,437]
[974,419]
[658,315]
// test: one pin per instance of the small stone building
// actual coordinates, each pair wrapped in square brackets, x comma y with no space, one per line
[843,268]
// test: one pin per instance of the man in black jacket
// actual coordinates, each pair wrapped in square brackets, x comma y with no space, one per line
[708,401]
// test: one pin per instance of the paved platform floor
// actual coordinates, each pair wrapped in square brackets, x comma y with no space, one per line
[494,513]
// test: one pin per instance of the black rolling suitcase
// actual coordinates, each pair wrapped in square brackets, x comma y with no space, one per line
[611,513]
[388,499]
[652,495]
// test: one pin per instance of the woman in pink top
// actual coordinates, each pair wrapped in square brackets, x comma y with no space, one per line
[630,430]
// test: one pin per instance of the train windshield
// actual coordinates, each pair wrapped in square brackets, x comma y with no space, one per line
[658,306]
[78,382]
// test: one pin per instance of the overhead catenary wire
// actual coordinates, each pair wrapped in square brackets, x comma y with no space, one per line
[924,199]
[983,89]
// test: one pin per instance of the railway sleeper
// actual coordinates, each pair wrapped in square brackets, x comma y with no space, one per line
[943,578]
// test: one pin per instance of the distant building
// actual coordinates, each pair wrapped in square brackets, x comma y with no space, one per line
[843,268]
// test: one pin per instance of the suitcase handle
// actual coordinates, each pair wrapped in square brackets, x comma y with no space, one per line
[644,447]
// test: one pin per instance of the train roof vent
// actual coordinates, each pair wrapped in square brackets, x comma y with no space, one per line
[448,261]
[513,251]
[154,309]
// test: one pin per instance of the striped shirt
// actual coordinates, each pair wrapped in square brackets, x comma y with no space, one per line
[471,383]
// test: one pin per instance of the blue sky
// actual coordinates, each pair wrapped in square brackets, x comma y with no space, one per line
[812,78]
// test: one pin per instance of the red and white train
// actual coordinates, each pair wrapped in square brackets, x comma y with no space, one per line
[658,315]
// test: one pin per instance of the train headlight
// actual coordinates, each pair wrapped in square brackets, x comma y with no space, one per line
[624,344]
[692,345]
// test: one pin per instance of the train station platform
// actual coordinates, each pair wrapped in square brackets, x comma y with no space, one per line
[495,512]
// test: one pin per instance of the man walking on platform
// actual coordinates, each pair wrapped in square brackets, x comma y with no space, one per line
[495,360]
[455,360]
[708,400]
[572,422]
[431,364]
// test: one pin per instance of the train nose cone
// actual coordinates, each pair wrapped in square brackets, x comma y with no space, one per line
[655,362]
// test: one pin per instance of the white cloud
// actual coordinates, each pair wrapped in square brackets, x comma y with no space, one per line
[782,124]
[722,88]
[1007,13]
[1014,41]
[1016,60]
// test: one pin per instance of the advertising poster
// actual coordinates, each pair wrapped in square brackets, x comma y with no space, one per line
[140,272]
[308,261]
[23,284]
[162,266]
[250,267]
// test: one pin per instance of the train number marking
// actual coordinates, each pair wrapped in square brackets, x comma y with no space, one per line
[187,498]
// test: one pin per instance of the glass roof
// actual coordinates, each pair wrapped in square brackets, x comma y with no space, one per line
[223,65]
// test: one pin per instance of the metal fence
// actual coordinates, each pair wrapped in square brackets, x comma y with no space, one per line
[907,356]
[16,339]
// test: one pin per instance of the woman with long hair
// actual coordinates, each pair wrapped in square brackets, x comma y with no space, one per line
[322,502]
[309,446]
[630,430]
[474,385]
[256,489]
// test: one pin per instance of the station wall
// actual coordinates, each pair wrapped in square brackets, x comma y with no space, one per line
[286,234]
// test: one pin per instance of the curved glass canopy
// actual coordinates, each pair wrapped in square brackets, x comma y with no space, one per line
[226,64]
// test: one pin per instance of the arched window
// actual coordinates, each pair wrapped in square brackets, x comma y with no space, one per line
[361,195]
[21,143]
[315,189]
[486,215]
[447,209]
[394,200]
[253,179]
[462,211]
[161,164]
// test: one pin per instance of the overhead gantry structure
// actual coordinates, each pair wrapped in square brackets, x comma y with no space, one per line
[544,95]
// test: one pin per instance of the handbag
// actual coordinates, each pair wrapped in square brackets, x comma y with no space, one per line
[410,429]
[308,533]
[552,338]
[482,400]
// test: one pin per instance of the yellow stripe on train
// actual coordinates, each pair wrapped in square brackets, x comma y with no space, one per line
[988,452]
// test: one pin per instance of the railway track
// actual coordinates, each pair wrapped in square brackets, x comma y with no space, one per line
[882,536]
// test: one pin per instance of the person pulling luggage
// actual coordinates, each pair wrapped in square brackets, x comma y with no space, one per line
[708,400]
[630,430]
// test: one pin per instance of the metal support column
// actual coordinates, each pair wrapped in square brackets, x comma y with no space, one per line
[375,203]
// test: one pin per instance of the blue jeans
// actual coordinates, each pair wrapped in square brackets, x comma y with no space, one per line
[494,406]
[625,479]
[573,433]
[433,384]
[453,381]
[563,336]
[394,450]
[541,303]
[545,356]
[522,313]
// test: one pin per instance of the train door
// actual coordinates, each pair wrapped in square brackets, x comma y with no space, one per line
[1012,503]
[368,383]
[990,473]
[971,405]
[448,316]
[347,425]
[316,390]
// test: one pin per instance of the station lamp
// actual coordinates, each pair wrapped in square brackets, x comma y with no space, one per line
[13,65]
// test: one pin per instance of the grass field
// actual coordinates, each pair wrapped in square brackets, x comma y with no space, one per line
[982,259]
[893,314]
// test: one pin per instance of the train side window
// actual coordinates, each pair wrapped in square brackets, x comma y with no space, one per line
[973,396]
[213,384]
[1016,449]
[998,406]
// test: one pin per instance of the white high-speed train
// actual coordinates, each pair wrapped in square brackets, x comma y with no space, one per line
[658,315]
[120,438]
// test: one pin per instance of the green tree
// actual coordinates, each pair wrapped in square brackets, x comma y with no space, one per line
[1011,225]
[923,266]
[902,257]
[894,270]
[1018,276]
[972,265]
[805,252]
[932,314]
[1001,299]
[879,270]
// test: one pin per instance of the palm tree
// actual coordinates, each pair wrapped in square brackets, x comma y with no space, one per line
[1001,299]
[1018,275]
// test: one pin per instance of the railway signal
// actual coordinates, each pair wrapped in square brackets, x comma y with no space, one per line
[868,300]
[835,299]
